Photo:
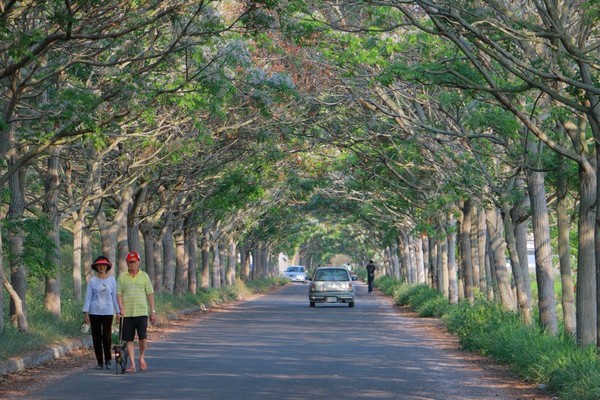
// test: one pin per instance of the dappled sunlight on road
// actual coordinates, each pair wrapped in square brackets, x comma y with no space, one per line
[277,347]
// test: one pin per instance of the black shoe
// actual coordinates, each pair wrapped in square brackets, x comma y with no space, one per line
[99,366]
[108,365]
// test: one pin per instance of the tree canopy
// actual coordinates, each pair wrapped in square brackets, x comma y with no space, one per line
[250,128]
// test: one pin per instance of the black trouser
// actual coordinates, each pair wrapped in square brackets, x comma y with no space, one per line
[101,336]
[370,280]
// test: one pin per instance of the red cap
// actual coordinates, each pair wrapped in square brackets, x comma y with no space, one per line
[133,256]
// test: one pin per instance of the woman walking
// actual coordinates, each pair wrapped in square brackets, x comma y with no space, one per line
[99,308]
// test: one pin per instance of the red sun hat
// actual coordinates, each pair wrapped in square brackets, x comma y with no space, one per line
[133,256]
[101,260]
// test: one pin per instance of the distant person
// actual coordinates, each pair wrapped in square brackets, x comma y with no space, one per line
[99,307]
[136,301]
[371,274]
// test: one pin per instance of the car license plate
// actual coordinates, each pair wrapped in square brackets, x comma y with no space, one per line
[331,299]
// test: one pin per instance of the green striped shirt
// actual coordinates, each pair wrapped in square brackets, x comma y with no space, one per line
[135,291]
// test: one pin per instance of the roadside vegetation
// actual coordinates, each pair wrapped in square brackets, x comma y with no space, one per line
[553,361]
[45,330]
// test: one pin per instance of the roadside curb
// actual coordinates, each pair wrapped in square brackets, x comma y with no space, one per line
[16,364]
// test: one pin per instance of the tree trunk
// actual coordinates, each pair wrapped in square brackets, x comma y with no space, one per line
[216,267]
[231,261]
[268,261]
[168,259]
[20,315]
[223,264]
[108,237]
[586,260]
[413,260]
[485,280]
[405,258]
[523,301]
[253,255]
[123,247]
[564,253]
[258,261]
[521,239]
[465,250]
[149,242]
[395,261]
[498,251]
[191,233]
[426,265]
[245,260]
[543,252]
[474,247]
[264,260]
[133,224]
[388,263]
[452,265]
[596,129]
[159,265]
[181,267]
[16,237]
[441,250]
[76,269]
[205,255]
[419,260]
[109,231]
[433,263]
[493,292]
[86,252]
[50,207]
[78,217]
[2,278]
[445,272]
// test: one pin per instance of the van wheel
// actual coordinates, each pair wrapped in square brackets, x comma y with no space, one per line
[351,304]
[312,303]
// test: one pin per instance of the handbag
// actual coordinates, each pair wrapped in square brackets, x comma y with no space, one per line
[85,328]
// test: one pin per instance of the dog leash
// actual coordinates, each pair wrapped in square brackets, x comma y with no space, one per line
[119,350]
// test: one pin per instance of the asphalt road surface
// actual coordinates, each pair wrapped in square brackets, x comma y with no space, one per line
[276,347]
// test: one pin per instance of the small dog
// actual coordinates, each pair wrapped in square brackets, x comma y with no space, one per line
[121,357]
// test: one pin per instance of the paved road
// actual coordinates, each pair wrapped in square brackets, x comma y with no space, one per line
[276,347]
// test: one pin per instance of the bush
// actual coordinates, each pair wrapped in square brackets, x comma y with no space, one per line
[386,284]
[421,298]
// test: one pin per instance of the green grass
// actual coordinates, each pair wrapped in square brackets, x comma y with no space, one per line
[45,330]
[555,361]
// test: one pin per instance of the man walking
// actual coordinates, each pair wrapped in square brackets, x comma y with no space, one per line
[135,296]
[370,274]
